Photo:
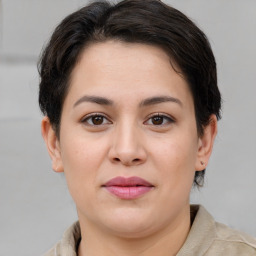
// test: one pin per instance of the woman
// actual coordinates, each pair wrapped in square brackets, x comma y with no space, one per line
[131,103]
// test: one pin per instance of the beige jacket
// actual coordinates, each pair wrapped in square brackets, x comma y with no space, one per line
[206,238]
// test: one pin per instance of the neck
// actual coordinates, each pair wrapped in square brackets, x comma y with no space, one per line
[164,242]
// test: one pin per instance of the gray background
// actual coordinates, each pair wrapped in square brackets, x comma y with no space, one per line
[35,205]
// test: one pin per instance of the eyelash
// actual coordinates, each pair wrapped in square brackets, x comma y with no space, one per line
[166,119]
[91,116]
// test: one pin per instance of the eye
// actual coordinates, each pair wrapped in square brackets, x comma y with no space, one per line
[159,119]
[95,120]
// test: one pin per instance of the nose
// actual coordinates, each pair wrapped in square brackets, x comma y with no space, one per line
[127,146]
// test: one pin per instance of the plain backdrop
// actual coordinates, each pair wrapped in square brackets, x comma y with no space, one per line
[35,204]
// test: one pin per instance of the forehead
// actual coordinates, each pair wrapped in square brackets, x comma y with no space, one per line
[116,67]
[118,50]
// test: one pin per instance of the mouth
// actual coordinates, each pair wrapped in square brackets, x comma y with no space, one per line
[128,188]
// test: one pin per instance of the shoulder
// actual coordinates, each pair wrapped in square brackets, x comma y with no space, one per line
[55,251]
[68,244]
[210,238]
[231,242]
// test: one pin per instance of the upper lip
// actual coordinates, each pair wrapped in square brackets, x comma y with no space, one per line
[127,182]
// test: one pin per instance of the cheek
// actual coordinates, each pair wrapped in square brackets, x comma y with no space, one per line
[81,151]
[175,159]
[81,160]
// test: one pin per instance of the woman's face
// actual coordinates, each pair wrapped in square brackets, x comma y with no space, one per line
[128,139]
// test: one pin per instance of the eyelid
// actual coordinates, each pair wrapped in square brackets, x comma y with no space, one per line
[166,116]
[88,116]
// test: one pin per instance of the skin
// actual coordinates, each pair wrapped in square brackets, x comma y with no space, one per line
[129,140]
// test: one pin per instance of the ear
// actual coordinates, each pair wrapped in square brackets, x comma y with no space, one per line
[205,144]
[52,144]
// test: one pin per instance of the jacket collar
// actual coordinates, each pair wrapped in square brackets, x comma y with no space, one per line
[201,235]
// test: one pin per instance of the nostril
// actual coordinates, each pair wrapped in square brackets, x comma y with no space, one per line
[116,159]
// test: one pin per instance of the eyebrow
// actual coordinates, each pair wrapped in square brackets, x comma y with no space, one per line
[159,99]
[147,102]
[94,99]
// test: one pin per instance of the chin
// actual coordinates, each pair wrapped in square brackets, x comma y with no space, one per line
[129,223]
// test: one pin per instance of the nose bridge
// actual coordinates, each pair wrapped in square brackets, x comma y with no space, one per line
[126,136]
[127,146]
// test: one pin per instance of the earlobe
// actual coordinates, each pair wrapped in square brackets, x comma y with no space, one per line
[205,144]
[52,144]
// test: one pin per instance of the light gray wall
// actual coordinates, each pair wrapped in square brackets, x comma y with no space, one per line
[35,205]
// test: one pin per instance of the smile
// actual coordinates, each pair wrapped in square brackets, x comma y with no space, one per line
[128,188]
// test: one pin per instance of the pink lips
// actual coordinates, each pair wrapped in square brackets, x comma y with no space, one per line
[128,188]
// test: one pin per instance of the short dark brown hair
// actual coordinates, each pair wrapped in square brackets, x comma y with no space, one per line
[135,21]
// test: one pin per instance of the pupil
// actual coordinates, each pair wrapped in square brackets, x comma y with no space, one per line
[97,120]
[157,120]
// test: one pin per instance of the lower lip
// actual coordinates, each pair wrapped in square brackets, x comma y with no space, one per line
[128,192]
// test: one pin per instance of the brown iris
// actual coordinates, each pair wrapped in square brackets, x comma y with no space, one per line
[97,120]
[157,120]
